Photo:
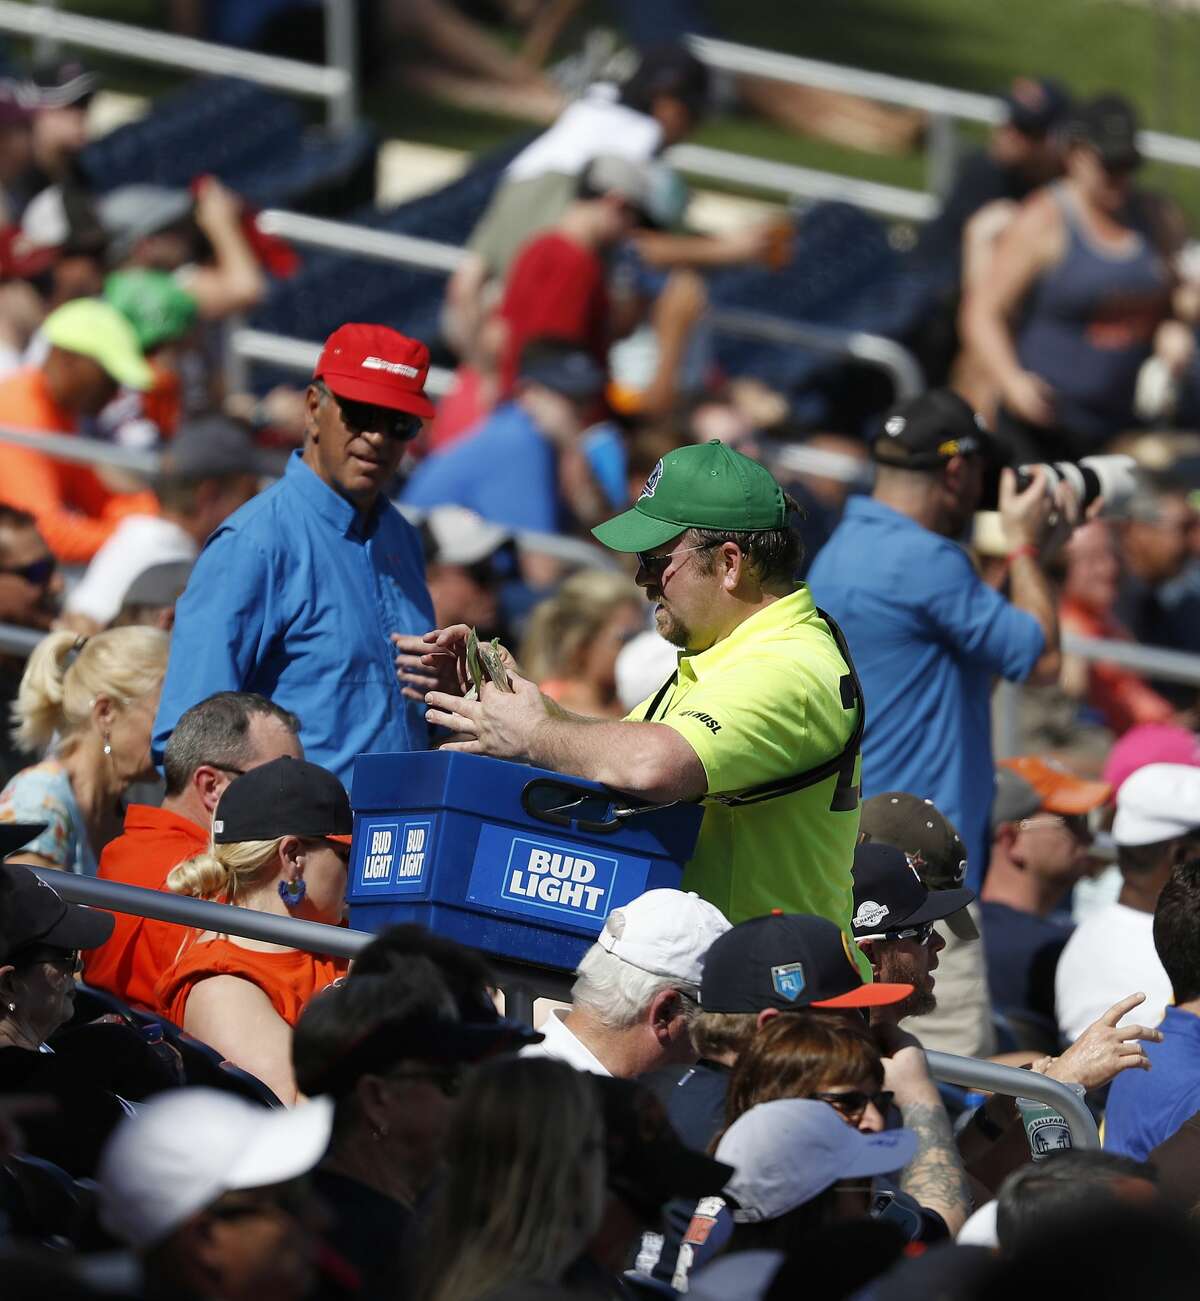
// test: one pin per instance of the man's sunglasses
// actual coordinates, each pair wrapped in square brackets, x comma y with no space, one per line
[366,417]
[39,573]
[656,566]
[922,934]
[853,1103]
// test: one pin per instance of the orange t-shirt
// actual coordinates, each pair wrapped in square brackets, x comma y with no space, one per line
[140,950]
[75,509]
[288,977]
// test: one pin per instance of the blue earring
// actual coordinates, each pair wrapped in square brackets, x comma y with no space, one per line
[292,892]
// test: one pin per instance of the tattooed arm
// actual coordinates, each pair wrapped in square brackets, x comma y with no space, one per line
[935,1176]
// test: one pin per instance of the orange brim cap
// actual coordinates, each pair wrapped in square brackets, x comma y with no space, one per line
[342,840]
[879,994]
[1060,791]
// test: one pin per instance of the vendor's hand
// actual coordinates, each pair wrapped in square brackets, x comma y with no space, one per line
[418,678]
[451,642]
[1105,1049]
[1026,514]
[217,206]
[499,723]
[1029,397]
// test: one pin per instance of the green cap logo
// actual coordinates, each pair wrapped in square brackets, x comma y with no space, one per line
[708,487]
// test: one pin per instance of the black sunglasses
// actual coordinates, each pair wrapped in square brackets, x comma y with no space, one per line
[854,1102]
[366,417]
[39,573]
[656,566]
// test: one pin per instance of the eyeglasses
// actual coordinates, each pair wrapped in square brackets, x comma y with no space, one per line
[448,1079]
[39,573]
[68,959]
[656,566]
[366,417]
[854,1102]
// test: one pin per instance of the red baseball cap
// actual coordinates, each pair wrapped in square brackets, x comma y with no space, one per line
[372,363]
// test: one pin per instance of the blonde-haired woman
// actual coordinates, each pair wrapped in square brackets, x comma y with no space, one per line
[281,844]
[574,637]
[524,1188]
[88,703]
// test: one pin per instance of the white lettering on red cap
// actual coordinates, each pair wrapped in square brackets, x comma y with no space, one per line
[392,367]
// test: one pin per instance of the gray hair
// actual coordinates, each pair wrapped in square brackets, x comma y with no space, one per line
[217,731]
[617,993]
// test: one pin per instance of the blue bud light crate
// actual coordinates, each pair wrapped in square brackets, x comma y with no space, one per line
[516,861]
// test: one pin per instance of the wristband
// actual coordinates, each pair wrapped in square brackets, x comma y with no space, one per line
[1026,550]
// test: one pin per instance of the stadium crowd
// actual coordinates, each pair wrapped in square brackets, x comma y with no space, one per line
[737,1101]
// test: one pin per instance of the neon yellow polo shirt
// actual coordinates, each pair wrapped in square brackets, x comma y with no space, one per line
[762,705]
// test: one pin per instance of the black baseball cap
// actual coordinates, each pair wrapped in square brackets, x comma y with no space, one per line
[889,895]
[286,797]
[933,847]
[924,432]
[648,1163]
[787,961]
[34,913]
[1036,105]
[1109,125]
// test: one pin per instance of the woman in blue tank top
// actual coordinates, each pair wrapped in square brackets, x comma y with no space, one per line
[1080,284]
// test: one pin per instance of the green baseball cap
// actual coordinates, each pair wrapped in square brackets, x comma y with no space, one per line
[707,486]
[95,329]
[154,303]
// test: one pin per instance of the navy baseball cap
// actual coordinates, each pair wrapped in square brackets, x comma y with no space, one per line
[889,895]
[787,961]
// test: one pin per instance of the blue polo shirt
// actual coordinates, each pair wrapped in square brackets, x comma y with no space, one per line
[294,597]
[506,471]
[1146,1107]
[927,636]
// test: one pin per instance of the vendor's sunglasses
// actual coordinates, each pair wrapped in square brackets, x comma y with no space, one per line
[39,573]
[922,934]
[656,566]
[366,417]
[854,1102]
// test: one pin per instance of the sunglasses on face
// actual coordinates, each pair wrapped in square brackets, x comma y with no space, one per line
[39,573]
[922,934]
[854,1102]
[656,566]
[1074,823]
[365,417]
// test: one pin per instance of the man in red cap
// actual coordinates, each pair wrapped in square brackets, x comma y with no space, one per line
[307,594]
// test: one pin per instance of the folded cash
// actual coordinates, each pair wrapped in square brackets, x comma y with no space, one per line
[484,660]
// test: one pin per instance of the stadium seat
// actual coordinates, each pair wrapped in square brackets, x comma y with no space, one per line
[256,141]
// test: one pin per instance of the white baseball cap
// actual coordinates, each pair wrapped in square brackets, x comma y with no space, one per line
[184,1148]
[1158,802]
[664,932]
[787,1152]
[461,537]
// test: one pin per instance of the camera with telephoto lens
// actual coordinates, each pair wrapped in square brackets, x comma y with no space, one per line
[1112,477]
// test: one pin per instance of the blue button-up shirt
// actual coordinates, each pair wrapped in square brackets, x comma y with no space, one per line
[294,597]
[927,635]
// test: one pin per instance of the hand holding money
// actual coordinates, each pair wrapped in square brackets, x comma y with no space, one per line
[485,662]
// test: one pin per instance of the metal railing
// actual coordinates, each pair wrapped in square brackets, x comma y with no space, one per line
[991,1077]
[336,84]
[900,366]
[314,937]
[84,451]
[945,105]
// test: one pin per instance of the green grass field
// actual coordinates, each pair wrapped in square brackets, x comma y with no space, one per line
[1148,49]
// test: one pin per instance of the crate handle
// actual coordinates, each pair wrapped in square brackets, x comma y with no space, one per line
[560,816]
[567,797]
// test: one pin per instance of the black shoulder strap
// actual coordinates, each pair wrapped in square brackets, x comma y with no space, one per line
[846,793]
